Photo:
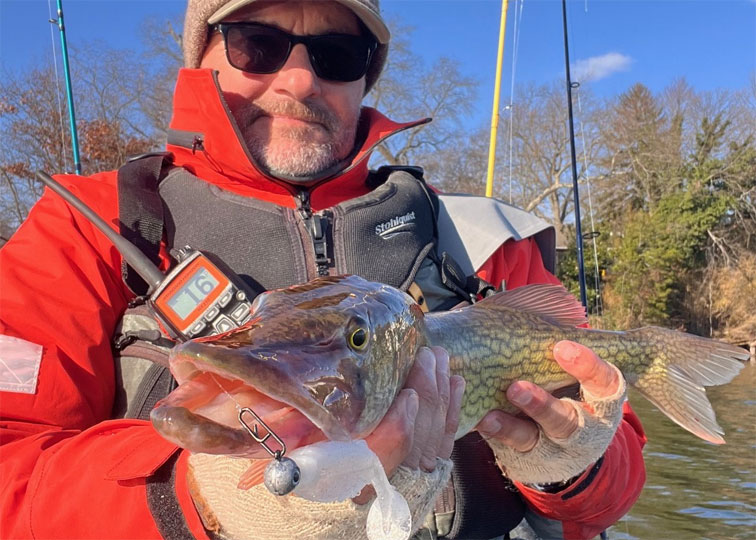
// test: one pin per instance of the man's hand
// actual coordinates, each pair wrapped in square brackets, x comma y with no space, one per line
[557,419]
[421,424]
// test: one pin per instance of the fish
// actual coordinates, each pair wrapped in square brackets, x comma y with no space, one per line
[324,360]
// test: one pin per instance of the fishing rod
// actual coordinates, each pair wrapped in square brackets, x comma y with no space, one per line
[497,91]
[69,89]
[576,195]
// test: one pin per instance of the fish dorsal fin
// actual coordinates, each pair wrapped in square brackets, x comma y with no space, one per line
[552,303]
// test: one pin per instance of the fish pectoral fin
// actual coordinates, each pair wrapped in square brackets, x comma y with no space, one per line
[552,303]
[675,379]
[254,474]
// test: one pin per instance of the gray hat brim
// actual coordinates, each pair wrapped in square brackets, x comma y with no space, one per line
[367,15]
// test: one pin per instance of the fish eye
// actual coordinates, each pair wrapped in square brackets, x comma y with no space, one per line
[358,339]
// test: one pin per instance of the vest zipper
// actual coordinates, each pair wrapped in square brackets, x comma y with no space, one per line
[317,226]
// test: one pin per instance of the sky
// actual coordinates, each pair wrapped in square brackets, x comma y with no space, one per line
[613,44]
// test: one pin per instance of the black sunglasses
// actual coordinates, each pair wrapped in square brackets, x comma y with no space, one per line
[257,48]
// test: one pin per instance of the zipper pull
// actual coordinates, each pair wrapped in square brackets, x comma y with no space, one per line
[303,200]
[317,230]
[316,226]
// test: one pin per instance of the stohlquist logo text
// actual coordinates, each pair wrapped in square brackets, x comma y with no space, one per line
[391,226]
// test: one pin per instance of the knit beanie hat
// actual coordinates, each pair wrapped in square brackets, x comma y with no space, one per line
[202,13]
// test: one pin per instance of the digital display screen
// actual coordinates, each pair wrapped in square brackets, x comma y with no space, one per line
[189,296]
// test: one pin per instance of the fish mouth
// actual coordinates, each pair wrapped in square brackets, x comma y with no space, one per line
[202,415]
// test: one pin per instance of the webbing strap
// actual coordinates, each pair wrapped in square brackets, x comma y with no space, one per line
[140,211]
[164,505]
[156,384]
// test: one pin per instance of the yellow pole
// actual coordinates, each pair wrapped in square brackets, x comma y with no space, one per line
[497,90]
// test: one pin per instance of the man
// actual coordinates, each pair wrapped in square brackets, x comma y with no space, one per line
[268,142]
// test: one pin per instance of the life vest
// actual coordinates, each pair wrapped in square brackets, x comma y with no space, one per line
[271,246]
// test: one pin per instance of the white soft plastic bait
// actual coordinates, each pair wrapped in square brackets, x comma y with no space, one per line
[334,471]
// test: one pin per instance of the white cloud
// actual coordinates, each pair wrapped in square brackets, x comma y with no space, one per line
[599,67]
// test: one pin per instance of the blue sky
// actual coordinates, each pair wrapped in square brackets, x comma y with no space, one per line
[712,43]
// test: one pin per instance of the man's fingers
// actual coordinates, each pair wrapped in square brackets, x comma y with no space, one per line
[595,376]
[518,433]
[439,410]
[557,418]
[392,439]
[442,375]
[456,391]
[422,379]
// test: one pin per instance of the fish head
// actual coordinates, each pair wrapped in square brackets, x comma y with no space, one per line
[333,353]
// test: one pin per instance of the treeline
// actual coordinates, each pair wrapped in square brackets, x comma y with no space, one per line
[674,206]
[667,180]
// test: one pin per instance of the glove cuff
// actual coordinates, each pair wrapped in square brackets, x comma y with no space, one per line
[558,460]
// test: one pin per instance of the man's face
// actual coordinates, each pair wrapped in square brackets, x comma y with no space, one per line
[293,122]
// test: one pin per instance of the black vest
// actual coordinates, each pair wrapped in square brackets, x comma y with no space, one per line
[271,246]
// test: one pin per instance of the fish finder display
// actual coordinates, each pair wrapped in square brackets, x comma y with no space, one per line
[190,295]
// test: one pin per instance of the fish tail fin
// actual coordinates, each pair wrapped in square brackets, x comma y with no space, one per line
[678,368]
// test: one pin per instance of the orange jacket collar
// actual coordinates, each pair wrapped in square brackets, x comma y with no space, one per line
[220,156]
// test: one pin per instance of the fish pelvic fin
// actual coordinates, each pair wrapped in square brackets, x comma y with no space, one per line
[680,367]
[552,303]
[254,475]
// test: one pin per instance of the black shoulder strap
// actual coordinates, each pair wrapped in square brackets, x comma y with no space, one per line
[466,287]
[140,210]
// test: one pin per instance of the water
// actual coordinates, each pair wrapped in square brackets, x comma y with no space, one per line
[694,489]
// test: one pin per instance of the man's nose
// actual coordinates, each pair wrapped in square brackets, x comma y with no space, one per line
[297,77]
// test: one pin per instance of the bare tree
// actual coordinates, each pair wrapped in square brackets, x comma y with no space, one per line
[539,176]
[409,89]
[643,150]
[461,167]
[30,125]
[162,40]
[110,117]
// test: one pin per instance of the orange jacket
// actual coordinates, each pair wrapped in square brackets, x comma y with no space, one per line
[67,470]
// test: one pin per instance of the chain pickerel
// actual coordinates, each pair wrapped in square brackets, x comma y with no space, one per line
[325,360]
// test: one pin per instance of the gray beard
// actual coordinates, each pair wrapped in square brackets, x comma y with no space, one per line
[304,159]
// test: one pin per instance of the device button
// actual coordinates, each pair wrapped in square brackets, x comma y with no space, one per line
[224,324]
[240,311]
[225,299]
[197,328]
[211,314]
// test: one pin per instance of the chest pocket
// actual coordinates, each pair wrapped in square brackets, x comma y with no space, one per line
[260,241]
[385,235]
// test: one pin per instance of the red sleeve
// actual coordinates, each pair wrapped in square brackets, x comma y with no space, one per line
[66,472]
[516,264]
[585,508]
